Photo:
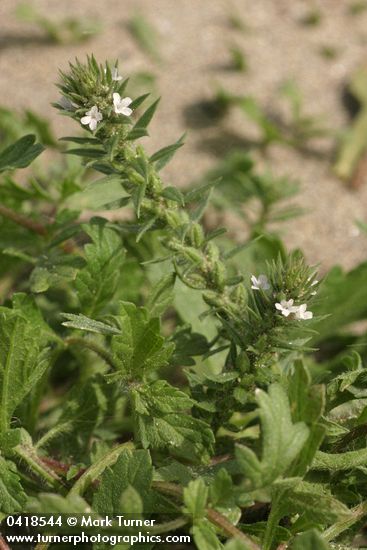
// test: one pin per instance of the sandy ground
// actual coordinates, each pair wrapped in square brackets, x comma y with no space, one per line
[195,37]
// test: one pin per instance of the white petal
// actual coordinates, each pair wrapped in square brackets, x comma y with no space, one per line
[98,117]
[115,74]
[279,306]
[126,101]
[85,119]
[116,98]
[93,124]
[126,111]
[308,315]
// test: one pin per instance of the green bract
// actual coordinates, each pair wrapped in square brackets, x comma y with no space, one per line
[152,365]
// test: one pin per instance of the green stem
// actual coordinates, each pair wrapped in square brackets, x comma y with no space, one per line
[22,220]
[335,530]
[29,455]
[213,516]
[94,471]
[53,432]
[75,341]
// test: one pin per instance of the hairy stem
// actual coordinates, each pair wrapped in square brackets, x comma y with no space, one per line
[98,467]
[36,464]
[22,220]
[75,341]
[213,516]
[357,513]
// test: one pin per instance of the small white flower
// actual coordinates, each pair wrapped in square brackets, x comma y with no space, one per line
[115,74]
[121,105]
[301,312]
[286,307]
[92,118]
[260,282]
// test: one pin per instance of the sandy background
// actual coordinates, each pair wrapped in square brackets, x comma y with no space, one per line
[195,37]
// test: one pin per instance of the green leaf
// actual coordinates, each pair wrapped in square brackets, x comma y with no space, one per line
[82,412]
[310,500]
[140,347]
[97,282]
[131,501]
[98,194]
[12,496]
[235,544]
[23,361]
[81,140]
[161,295]
[132,469]
[82,322]
[50,503]
[146,117]
[205,536]
[310,540]
[282,440]
[343,297]
[195,497]
[174,194]
[20,154]
[137,133]
[340,461]
[161,422]
[98,467]
[87,153]
[307,402]
[164,155]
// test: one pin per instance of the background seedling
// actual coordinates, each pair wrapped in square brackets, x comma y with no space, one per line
[69,30]
[145,35]
[354,142]
[238,59]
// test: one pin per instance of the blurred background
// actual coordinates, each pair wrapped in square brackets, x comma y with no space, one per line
[280,80]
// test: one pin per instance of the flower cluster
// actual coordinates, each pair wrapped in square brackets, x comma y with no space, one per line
[120,106]
[286,307]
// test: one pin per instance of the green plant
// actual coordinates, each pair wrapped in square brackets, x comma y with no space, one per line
[145,370]
[298,130]
[145,35]
[353,143]
[66,31]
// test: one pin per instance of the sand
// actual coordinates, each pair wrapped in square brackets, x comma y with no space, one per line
[194,39]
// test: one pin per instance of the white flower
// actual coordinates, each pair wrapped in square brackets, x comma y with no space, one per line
[301,312]
[121,106]
[286,307]
[260,282]
[115,74]
[92,118]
